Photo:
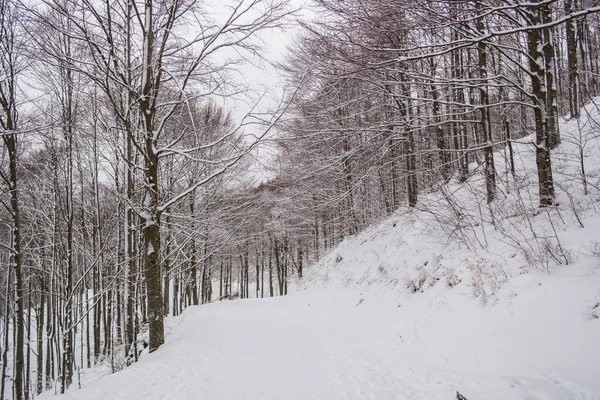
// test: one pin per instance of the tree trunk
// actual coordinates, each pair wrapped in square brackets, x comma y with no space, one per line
[28,345]
[193,252]
[270,274]
[221,280]
[257,273]
[167,266]
[6,333]
[551,101]
[40,337]
[538,81]
[262,274]
[486,126]
[10,143]
[151,216]
[49,376]
[572,61]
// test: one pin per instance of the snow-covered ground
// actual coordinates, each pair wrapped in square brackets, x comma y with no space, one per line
[500,303]
[320,345]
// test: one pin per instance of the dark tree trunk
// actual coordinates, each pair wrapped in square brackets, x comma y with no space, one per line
[549,68]
[257,273]
[40,336]
[167,266]
[300,257]
[10,143]
[262,273]
[6,335]
[130,230]
[444,157]
[572,61]
[271,273]
[193,278]
[538,81]
[49,376]
[175,294]
[221,280]
[28,345]
[151,215]
[486,126]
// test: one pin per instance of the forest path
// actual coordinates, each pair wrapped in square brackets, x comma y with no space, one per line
[288,348]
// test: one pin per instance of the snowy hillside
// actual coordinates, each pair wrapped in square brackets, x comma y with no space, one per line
[497,302]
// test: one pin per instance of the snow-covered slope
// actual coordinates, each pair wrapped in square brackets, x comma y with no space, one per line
[495,303]
[507,290]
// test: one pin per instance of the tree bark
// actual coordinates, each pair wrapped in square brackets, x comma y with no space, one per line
[151,216]
[538,81]
[486,126]
[572,60]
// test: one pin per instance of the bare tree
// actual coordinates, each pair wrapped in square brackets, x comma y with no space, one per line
[11,66]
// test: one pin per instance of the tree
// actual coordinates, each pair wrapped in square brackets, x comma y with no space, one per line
[10,68]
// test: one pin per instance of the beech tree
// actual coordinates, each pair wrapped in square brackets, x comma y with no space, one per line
[11,65]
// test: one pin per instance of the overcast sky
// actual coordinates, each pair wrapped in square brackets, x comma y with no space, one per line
[264,79]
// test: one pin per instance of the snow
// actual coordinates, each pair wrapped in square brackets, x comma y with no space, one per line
[424,304]
[322,345]
[150,249]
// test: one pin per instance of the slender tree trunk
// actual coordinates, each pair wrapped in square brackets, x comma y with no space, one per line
[10,143]
[88,310]
[486,126]
[49,376]
[193,251]
[538,80]
[271,273]
[40,337]
[262,274]
[130,255]
[167,265]
[257,273]
[229,274]
[409,144]
[444,158]
[6,335]
[28,344]
[221,280]
[572,60]
[175,294]
[549,69]
[300,257]
[151,215]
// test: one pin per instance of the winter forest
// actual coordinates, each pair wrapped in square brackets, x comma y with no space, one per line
[142,171]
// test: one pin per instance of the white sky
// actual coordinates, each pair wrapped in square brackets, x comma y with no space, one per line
[264,79]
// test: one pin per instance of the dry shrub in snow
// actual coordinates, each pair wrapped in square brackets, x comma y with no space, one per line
[487,277]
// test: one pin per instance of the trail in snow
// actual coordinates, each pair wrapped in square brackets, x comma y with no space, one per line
[329,346]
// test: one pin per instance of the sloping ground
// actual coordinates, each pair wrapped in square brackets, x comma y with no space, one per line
[496,303]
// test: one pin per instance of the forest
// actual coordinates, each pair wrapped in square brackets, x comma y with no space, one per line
[127,189]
